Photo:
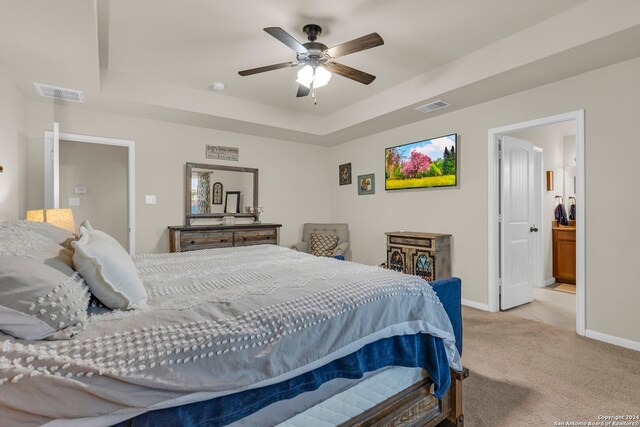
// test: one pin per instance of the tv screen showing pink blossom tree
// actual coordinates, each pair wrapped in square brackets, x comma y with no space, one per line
[422,164]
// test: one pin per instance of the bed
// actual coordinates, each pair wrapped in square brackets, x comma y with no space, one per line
[230,334]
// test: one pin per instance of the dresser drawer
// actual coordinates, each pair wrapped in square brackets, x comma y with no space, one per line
[255,237]
[420,242]
[193,240]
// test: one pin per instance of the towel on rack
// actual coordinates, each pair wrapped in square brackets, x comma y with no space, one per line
[572,211]
[561,215]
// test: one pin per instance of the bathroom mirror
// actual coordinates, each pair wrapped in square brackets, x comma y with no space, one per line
[211,190]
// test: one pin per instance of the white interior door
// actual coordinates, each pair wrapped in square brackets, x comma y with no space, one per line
[518,230]
[52,168]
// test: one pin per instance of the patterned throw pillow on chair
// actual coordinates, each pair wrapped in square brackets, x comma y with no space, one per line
[323,245]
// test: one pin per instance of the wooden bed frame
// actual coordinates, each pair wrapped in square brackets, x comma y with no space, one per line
[416,406]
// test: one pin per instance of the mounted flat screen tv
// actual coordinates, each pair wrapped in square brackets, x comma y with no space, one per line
[430,163]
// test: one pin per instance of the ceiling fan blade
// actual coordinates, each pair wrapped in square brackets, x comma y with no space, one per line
[350,73]
[356,45]
[268,68]
[303,91]
[286,38]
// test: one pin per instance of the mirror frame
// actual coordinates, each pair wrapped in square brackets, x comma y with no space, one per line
[188,216]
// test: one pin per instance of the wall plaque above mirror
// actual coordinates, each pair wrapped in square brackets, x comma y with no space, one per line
[207,186]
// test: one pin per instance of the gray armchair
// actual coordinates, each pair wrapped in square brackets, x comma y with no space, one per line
[340,230]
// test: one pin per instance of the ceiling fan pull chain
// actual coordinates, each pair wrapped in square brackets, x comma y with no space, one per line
[313,95]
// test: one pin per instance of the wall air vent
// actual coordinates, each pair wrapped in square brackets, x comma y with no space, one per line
[59,93]
[432,106]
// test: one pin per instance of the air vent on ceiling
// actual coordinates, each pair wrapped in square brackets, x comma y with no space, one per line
[59,92]
[432,106]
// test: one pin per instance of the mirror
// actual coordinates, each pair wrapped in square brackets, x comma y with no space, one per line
[214,191]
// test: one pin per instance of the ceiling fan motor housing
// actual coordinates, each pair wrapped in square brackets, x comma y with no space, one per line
[316,52]
[312,31]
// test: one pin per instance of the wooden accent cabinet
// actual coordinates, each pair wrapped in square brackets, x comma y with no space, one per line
[564,253]
[194,237]
[427,255]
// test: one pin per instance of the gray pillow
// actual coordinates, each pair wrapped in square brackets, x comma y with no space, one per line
[38,301]
[17,238]
[45,229]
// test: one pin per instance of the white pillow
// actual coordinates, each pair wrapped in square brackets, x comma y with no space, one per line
[108,269]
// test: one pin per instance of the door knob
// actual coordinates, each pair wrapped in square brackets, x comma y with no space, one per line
[533,229]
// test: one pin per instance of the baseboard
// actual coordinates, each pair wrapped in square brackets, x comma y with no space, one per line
[474,304]
[622,342]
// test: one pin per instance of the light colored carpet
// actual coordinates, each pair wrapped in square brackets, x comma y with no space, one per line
[528,373]
[564,287]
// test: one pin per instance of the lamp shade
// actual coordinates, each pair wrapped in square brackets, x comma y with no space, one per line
[322,77]
[61,218]
[305,76]
[318,76]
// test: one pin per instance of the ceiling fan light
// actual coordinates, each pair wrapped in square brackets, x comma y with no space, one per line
[305,76]
[322,77]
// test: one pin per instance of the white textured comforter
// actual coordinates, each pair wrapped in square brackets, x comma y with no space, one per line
[218,321]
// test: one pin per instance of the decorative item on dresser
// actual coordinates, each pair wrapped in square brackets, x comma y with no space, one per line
[194,237]
[427,255]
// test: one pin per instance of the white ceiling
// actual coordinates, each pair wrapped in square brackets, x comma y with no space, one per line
[157,58]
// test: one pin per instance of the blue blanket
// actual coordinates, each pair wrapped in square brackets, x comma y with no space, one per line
[418,350]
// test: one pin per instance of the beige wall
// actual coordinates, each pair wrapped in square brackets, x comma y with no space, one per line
[294,177]
[13,144]
[611,99]
[298,182]
[102,169]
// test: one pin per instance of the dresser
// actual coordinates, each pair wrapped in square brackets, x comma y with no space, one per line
[193,237]
[427,255]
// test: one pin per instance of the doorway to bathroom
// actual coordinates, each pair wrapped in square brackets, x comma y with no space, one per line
[533,168]
[554,291]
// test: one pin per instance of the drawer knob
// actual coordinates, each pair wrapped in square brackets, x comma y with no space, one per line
[193,242]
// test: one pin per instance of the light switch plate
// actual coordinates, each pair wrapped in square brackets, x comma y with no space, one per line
[150,199]
[81,190]
[74,201]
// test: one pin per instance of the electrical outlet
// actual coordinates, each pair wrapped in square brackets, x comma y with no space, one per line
[74,201]
[150,199]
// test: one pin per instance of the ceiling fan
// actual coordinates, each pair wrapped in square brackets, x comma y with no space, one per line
[318,59]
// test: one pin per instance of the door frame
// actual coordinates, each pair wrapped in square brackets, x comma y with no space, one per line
[493,200]
[52,171]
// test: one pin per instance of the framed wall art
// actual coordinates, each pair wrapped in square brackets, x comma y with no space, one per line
[216,192]
[366,184]
[232,202]
[344,172]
